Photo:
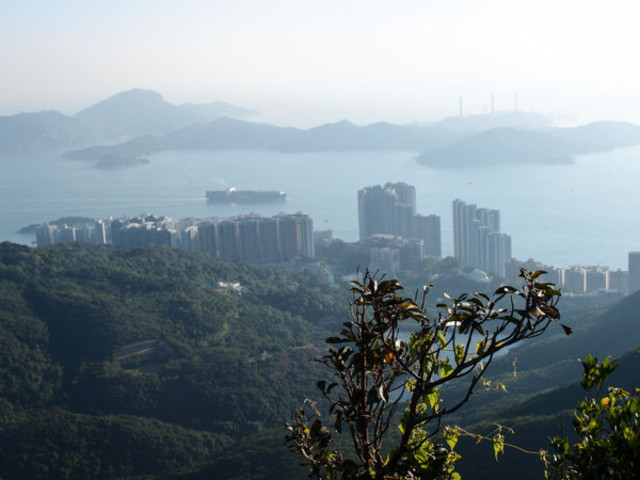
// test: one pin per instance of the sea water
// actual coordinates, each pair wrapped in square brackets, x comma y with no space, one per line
[584,213]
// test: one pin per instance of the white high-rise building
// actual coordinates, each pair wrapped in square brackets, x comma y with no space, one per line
[391,210]
[634,272]
[477,240]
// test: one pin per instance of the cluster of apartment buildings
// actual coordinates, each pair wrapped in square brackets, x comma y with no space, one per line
[250,238]
[87,232]
[394,236]
[391,231]
[477,240]
[397,237]
[578,278]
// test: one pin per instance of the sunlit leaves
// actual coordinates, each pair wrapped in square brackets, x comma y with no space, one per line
[498,444]
[375,369]
[459,353]
[608,431]
[451,437]
[432,398]
[595,372]
[445,369]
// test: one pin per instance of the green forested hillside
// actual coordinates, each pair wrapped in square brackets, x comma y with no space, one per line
[552,360]
[533,421]
[541,398]
[120,363]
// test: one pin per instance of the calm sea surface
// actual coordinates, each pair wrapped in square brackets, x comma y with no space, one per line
[586,213]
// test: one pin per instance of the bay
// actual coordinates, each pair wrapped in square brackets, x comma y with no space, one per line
[585,213]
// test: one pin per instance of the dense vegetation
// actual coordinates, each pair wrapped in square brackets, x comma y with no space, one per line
[121,363]
[376,371]
[135,364]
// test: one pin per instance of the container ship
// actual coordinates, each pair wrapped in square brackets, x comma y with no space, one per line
[232,195]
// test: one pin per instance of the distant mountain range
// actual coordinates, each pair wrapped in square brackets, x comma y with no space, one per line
[548,145]
[136,123]
[122,116]
[441,147]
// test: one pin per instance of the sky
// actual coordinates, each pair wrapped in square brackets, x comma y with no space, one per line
[303,63]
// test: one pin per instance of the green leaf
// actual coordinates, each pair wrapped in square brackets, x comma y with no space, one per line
[432,397]
[446,369]
[458,353]
[451,437]
[498,444]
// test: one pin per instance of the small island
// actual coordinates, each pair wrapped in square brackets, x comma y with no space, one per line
[31,229]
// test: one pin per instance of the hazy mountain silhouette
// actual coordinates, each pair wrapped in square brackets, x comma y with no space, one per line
[480,123]
[345,135]
[501,145]
[152,124]
[39,131]
[552,145]
[126,114]
[215,110]
[599,136]
[222,134]
[136,112]
[444,148]
[226,133]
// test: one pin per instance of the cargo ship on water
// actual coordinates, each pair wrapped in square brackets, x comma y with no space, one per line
[231,195]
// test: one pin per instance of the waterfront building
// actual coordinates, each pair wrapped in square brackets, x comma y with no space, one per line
[267,231]
[391,210]
[45,235]
[247,241]
[295,236]
[574,279]
[427,229]
[189,241]
[596,279]
[250,238]
[619,280]
[85,232]
[634,272]
[256,239]
[100,232]
[391,253]
[376,214]
[138,232]
[208,238]
[227,234]
[477,240]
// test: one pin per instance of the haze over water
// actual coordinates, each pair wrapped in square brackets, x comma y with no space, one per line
[583,213]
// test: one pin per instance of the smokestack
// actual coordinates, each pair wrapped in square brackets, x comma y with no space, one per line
[515,101]
[461,105]
[492,105]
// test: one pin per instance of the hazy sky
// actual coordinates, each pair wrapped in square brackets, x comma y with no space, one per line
[305,62]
